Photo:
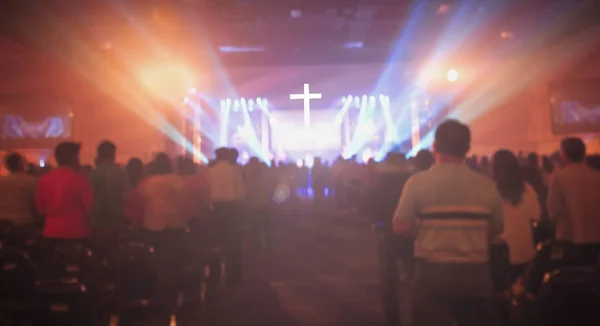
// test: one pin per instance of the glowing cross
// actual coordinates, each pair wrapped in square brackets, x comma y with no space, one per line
[307,96]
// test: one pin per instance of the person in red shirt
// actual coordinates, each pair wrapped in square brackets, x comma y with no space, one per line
[65,196]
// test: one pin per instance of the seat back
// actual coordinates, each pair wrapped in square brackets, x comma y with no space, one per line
[550,256]
[72,260]
[137,274]
[569,296]
[17,274]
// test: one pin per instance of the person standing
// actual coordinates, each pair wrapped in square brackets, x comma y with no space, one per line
[65,197]
[520,207]
[573,201]
[110,183]
[17,193]
[453,212]
[227,193]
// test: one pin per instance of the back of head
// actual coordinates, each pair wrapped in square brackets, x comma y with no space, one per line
[222,154]
[233,155]
[106,151]
[424,160]
[506,171]
[15,162]
[160,165]
[66,154]
[533,160]
[452,138]
[573,149]
[185,166]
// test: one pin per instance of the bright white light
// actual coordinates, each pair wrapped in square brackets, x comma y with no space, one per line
[192,90]
[309,161]
[452,75]
[228,101]
[372,99]
[42,163]
[236,105]
[299,163]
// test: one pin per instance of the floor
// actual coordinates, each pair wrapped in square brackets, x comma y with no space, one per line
[323,271]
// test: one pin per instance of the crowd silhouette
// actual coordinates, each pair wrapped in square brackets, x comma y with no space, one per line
[461,229]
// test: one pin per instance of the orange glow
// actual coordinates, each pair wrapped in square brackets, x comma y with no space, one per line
[167,81]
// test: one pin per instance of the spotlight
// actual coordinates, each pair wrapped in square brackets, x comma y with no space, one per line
[364,98]
[228,101]
[243,101]
[259,101]
[236,105]
[350,99]
[381,98]
[357,101]
[372,99]
[452,75]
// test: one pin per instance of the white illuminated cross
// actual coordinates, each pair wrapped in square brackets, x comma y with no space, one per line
[306,96]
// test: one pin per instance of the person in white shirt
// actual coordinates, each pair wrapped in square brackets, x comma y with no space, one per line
[17,193]
[573,202]
[227,194]
[520,207]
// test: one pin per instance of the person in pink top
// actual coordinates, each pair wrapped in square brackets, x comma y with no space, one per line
[65,196]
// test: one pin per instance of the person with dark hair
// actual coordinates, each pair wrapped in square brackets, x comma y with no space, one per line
[135,171]
[424,160]
[159,202]
[520,207]
[454,212]
[573,201]
[17,192]
[227,195]
[110,183]
[65,196]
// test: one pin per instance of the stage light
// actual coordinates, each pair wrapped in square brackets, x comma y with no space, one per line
[364,98]
[452,75]
[228,101]
[381,98]
[259,101]
[222,103]
[372,99]
[192,90]
[236,105]
[243,101]
[251,103]
[357,101]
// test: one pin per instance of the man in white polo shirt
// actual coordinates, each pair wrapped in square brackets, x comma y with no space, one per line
[453,212]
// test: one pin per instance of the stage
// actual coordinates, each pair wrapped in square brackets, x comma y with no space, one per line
[299,113]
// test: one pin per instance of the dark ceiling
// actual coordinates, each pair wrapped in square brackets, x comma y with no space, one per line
[273,31]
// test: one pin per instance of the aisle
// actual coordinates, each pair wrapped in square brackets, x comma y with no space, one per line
[320,274]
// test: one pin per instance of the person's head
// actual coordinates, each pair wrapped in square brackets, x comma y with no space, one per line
[160,165]
[66,154]
[424,160]
[135,170]
[221,154]
[397,159]
[186,166]
[233,155]
[547,164]
[15,162]
[573,150]
[106,152]
[533,160]
[452,140]
[506,171]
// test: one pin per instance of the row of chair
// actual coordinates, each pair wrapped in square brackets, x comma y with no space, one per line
[69,283]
